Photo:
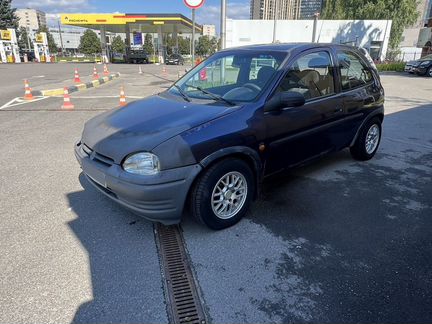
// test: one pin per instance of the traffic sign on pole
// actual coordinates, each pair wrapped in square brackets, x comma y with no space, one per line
[194,4]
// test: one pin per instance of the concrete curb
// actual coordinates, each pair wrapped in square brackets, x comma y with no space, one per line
[75,88]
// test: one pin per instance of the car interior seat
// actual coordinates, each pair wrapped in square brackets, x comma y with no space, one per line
[264,75]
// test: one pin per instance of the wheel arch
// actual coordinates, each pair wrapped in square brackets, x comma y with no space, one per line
[244,153]
[377,113]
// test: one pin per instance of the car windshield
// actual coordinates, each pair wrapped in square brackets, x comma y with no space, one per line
[230,77]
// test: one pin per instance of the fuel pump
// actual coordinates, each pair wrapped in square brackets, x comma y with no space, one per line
[41,49]
[9,50]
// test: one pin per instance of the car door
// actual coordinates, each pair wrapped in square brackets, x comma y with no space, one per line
[297,134]
[360,90]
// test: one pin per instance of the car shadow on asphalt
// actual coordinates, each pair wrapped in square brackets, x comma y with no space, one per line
[123,262]
[374,217]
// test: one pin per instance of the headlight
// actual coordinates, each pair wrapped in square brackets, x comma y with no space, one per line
[142,163]
[425,63]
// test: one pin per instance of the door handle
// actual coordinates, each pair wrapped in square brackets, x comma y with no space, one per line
[337,110]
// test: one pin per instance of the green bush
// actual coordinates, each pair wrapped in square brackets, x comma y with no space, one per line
[396,67]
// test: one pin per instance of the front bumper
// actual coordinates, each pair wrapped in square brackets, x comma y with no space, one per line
[420,70]
[159,198]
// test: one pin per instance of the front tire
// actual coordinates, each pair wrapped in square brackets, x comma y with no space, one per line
[429,72]
[368,140]
[222,194]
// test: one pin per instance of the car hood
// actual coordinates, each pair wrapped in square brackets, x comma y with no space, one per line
[144,124]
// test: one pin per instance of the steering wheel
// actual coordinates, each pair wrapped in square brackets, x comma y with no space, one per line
[252,86]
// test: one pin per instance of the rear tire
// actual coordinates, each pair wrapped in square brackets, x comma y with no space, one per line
[222,194]
[368,141]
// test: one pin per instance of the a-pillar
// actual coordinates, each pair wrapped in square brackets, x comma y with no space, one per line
[105,56]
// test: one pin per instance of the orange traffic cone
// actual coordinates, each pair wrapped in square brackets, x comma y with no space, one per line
[164,71]
[95,73]
[106,72]
[66,99]
[77,77]
[27,94]
[122,97]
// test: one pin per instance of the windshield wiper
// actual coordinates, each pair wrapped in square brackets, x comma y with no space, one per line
[182,93]
[212,95]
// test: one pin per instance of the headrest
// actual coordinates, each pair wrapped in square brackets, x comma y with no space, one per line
[318,62]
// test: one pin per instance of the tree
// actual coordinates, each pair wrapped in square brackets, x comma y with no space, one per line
[24,39]
[90,43]
[403,13]
[148,44]
[8,17]
[206,46]
[169,43]
[53,48]
[184,45]
[118,45]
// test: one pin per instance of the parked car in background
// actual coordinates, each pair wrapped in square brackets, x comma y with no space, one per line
[138,56]
[241,115]
[30,55]
[412,65]
[175,59]
[424,66]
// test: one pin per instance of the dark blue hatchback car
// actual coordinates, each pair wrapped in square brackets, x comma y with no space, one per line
[239,116]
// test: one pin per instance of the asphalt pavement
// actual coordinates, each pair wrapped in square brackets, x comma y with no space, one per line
[335,241]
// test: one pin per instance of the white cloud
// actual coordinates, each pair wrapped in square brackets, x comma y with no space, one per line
[210,15]
[54,6]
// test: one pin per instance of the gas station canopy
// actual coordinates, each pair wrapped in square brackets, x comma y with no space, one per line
[144,23]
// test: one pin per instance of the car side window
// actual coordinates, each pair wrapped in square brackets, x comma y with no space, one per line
[312,75]
[354,73]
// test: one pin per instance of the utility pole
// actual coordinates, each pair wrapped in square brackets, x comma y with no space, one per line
[61,37]
[315,28]
[223,24]
[275,8]
[28,38]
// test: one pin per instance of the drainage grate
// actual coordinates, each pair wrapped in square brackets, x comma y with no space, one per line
[184,305]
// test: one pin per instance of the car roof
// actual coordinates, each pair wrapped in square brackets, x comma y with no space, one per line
[288,47]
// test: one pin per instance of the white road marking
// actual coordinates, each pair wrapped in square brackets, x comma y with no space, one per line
[18,101]
[8,103]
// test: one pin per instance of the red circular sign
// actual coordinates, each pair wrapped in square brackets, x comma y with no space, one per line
[194,4]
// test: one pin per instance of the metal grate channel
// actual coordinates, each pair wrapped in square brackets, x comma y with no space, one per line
[184,305]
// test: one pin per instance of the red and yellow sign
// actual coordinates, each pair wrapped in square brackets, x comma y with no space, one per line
[111,19]
[5,35]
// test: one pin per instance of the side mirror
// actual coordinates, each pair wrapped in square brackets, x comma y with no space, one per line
[284,100]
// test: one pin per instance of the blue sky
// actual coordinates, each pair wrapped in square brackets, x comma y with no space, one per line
[208,14]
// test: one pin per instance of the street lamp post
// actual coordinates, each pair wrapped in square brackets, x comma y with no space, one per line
[61,37]
[315,28]
[223,24]
[275,20]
